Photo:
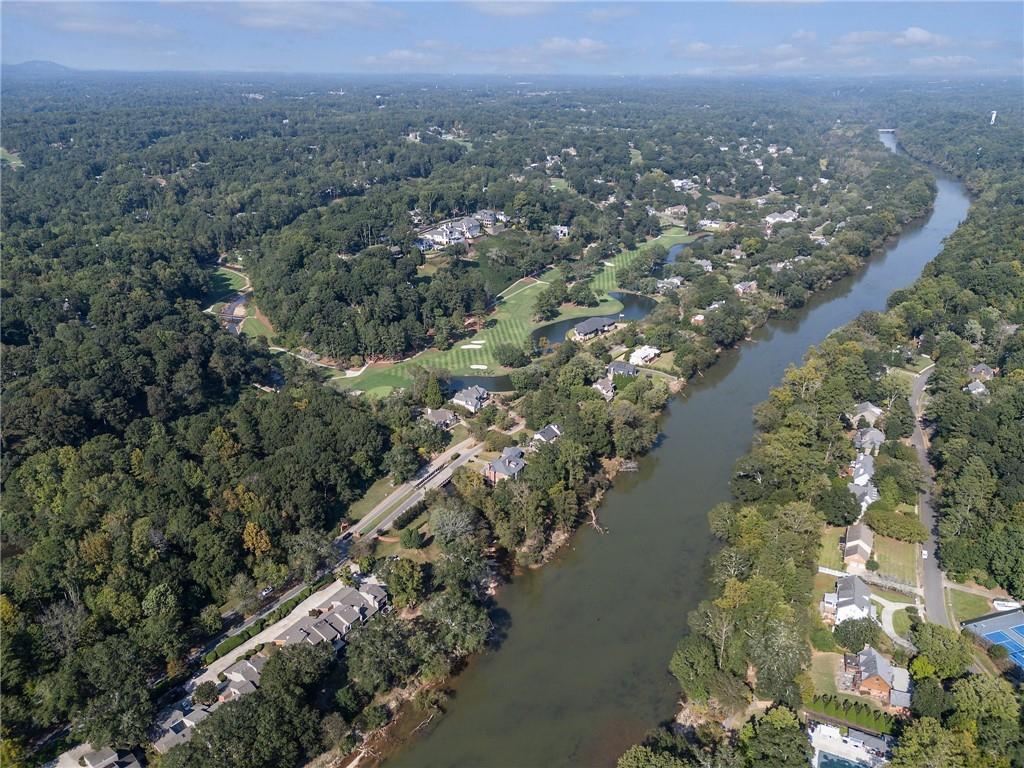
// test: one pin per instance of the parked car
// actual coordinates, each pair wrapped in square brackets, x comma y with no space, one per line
[265,592]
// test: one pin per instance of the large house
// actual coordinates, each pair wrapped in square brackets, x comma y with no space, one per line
[109,758]
[620,368]
[982,371]
[440,417]
[506,466]
[643,355]
[593,326]
[745,288]
[454,231]
[605,387]
[869,440]
[865,495]
[851,600]
[549,434]
[867,411]
[976,388]
[857,545]
[472,398]
[862,469]
[875,676]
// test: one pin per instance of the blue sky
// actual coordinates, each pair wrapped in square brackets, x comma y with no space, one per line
[696,38]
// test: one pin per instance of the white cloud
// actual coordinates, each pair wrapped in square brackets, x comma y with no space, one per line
[861,38]
[943,62]
[915,36]
[303,16]
[696,49]
[608,14]
[582,46]
[804,35]
[508,9]
[783,50]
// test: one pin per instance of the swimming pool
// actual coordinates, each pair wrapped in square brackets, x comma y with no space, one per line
[826,760]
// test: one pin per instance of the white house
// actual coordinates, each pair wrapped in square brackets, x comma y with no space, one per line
[643,355]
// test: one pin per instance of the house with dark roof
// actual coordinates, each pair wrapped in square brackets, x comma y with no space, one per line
[875,676]
[592,327]
[862,469]
[506,466]
[983,372]
[865,495]
[440,417]
[621,368]
[549,434]
[110,758]
[472,398]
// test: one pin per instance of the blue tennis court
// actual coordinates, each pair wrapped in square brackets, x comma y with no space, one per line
[1005,629]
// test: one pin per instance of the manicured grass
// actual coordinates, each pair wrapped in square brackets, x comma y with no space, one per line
[606,279]
[891,595]
[830,555]
[253,326]
[511,322]
[665,362]
[823,583]
[374,495]
[918,364]
[561,184]
[967,606]
[896,559]
[223,283]
[901,622]
[823,672]
[459,433]
[635,158]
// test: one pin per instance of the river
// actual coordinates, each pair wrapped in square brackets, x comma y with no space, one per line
[581,671]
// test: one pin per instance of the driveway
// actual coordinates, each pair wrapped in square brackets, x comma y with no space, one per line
[932,578]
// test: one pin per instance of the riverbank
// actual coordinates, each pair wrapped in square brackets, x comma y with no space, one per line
[577,683]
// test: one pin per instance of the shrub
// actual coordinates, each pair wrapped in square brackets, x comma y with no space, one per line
[410,538]
[998,652]
[895,525]
[872,565]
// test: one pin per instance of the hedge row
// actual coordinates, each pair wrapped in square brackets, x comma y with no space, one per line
[409,515]
[857,714]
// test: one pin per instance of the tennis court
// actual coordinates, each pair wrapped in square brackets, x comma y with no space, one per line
[1005,629]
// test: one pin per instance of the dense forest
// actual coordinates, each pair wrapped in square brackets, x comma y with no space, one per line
[149,487]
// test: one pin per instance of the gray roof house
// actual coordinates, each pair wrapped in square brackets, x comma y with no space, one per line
[976,388]
[246,669]
[866,495]
[872,663]
[863,469]
[868,411]
[472,398]
[853,599]
[621,368]
[869,440]
[605,387]
[982,371]
[549,434]
[509,464]
[440,417]
[593,326]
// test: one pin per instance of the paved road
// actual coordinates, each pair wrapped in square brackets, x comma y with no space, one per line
[932,578]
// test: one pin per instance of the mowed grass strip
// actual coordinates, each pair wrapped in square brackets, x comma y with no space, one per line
[830,555]
[896,559]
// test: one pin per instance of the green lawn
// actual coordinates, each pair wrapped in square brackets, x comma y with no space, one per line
[635,158]
[918,364]
[374,495]
[223,283]
[891,595]
[561,184]
[253,326]
[823,672]
[831,556]
[896,559]
[511,322]
[967,606]
[901,622]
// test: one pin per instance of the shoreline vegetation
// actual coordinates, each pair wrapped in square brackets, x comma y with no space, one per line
[719,675]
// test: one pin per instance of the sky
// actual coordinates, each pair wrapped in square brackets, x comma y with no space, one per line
[739,39]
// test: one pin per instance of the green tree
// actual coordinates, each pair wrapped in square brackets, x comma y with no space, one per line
[854,634]
[926,744]
[949,651]
[776,739]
